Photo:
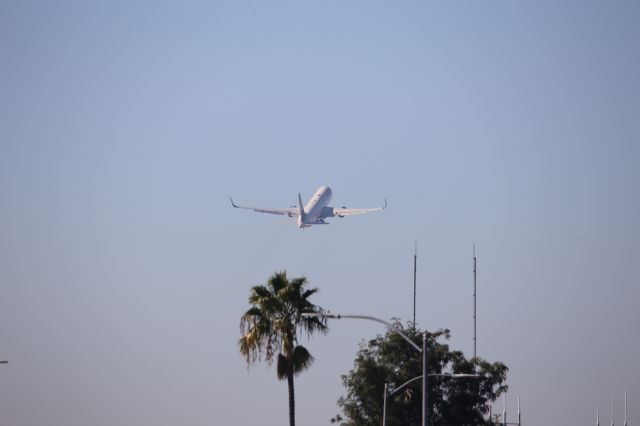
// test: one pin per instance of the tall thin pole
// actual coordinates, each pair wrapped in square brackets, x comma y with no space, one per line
[384,405]
[625,409]
[504,411]
[415,270]
[425,380]
[597,417]
[474,301]
[612,410]
[519,419]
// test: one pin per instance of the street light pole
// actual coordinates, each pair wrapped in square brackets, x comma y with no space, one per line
[425,380]
[384,405]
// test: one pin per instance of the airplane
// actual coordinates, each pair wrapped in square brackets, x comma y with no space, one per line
[316,210]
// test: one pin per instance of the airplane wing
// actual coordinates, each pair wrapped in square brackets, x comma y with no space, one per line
[344,211]
[291,212]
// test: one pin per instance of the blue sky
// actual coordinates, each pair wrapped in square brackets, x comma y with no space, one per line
[125,126]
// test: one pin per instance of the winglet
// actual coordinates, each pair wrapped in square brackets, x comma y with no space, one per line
[385,204]
[300,206]
[232,203]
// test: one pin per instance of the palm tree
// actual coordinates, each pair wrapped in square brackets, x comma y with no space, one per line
[270,328]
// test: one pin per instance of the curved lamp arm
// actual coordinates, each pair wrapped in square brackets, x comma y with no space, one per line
[366,317]
[453,376]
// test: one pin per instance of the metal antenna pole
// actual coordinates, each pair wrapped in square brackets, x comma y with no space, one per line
[519,420]
[625,409]
[415,269]
[474,301]
[597,417]
[612,410]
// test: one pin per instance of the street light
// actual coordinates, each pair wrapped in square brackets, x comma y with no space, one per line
[388,394]
[424,350]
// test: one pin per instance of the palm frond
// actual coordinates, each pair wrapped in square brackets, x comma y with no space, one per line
[302,359]
[278,281]
[283,367]
[259,293]
[309,293]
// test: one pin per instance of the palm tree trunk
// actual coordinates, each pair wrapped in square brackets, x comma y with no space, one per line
[292,400]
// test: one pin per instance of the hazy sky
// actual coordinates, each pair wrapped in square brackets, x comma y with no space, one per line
[125,126]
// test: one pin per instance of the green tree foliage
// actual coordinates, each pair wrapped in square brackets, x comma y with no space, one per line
[270,328]
[452,401]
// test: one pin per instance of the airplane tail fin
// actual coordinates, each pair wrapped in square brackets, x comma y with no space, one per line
[300,206]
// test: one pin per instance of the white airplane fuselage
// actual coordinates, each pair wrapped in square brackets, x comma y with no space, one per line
[313,211]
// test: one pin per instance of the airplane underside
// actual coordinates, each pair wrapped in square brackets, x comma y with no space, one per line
[308,224]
